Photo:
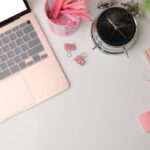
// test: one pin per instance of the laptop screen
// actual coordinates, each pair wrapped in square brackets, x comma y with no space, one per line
[10,8]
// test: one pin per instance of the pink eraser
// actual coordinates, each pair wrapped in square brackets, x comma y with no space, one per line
[144,120]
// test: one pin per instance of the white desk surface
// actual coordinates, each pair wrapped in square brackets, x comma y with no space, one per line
[99,111]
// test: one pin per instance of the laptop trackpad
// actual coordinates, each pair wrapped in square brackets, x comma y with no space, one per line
[15,96]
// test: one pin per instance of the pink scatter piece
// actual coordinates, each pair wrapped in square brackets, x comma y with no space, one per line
[147,54]
[144,120]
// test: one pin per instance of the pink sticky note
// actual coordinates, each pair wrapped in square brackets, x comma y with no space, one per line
[144,120]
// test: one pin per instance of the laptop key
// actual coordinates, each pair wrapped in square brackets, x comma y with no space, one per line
[44,56]
[19,41]
[23,65]
[2,35]
[28,22]
[12,36]
[26,38]
[36,58]
[3,66]
[35,50]
[1,52]
[23,25]
[33,35]
[24,55]
[1,43]
[30,63]
[5,48]
[3,57]
[15,69]
[12,45]
[28,29]
[24,47]
[19,33]
[5,74]
[34,42]
[10,54]
[15,28]
[5,40]
[8,32]
[17,59]
[10,62]
[17,50]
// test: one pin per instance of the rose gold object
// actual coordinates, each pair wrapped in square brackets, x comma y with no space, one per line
[33,85]
[147,55]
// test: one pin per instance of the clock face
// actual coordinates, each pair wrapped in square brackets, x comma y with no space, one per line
[116,26]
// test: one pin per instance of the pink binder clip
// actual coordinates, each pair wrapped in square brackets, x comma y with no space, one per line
[80,59]
[69,47]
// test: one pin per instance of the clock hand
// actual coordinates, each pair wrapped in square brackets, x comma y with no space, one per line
[111,23]
[116,28]
[124,26]
[121,33]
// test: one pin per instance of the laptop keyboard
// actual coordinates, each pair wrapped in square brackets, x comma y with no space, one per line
[20,48]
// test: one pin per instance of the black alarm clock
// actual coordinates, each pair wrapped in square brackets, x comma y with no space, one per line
[114,31]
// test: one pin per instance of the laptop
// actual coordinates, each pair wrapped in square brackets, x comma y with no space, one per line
[29,71]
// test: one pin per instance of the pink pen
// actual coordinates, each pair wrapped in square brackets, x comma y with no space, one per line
[85,17]
[81,13]
[67,2]
[74,4]
[57,9]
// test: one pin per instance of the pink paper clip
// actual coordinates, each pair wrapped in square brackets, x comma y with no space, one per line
[69,47]
[80,59]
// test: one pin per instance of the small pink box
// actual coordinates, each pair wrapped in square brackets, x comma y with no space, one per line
[144,120]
